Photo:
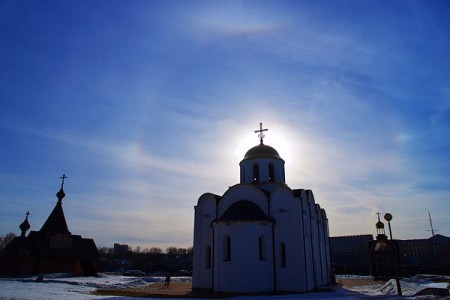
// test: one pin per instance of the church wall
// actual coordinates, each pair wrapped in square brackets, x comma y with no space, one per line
[243,192]
[328,248]
[319,243]
[315,245]
[205,213]
[57,265]
[263,164]
[286,209]
[244,271]
[325,248]
[18,258]
[308,242]
[321,248]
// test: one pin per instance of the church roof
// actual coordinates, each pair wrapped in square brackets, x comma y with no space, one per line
[379,224]
[56,221]
[439,238]
[244,210]
[262,151]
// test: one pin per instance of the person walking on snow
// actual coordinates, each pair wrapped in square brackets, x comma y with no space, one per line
[166,283]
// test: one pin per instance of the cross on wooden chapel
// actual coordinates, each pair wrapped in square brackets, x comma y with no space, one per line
[62,182]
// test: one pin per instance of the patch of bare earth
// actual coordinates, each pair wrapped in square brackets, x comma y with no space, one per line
[348,283]
[184,289]
[155,290]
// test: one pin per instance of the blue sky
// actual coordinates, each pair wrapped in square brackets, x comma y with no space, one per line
[146,105]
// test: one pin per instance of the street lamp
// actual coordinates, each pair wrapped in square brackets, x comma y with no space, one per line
[388,218]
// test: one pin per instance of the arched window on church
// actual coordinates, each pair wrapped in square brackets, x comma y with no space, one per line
[227,248]
[262,247]
[271,173]
[208,257]
[255,173]
[283,255]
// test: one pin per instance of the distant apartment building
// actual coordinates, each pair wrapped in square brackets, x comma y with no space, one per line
[430,255]
[350,254]
[121,248]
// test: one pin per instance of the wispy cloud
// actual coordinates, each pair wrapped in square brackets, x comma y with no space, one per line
[158,105]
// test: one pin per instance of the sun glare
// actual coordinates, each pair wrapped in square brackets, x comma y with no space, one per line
[278,137]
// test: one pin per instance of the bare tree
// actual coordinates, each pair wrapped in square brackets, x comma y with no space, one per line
[5,240]
[180,251]
[172,250]
[155,250]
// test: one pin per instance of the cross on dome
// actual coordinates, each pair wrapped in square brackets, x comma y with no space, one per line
[261,134]
[378,214]
[63,177]
[61,193]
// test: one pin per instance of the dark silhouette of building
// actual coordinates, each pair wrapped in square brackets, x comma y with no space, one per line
[121,249]
[384,255]
[350,254]
[52,249]
[387,258]
[430,255]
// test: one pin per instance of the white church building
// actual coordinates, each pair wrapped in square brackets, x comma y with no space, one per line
[260,235]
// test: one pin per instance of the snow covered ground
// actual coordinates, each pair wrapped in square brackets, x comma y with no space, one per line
[410,287]
[60,286]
